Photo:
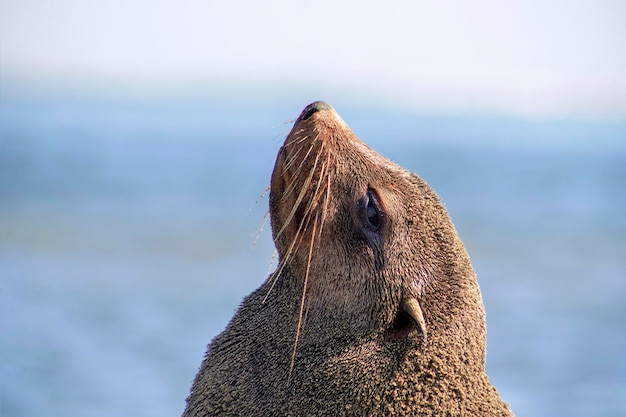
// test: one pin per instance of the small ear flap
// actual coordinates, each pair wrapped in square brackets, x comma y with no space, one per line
[412,307]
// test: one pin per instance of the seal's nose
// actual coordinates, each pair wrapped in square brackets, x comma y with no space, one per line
[314,108]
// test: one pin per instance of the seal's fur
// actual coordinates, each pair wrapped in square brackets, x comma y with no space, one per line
[374,308]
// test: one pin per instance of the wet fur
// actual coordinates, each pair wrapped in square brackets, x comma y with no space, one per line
[326,334]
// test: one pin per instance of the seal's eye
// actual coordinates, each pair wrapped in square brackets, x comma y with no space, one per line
[372,221]
[370,211]
[372,215]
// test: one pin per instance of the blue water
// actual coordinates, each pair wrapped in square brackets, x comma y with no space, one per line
[130,231]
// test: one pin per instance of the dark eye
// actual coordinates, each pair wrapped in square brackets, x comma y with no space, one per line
[372,213]
[372,222]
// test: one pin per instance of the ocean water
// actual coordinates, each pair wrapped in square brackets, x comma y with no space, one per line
[130,230]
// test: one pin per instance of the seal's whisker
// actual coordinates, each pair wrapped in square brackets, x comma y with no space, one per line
[319,219]
[302,301]
[272,260]
[260,227]
[325,196]
[300,139]
[297,152]
[328,182]
[313,201]
[301,228]
[316,196]
[283,261]
[296,174]
[282,135]
[293,157]
[295,134]
[303,192]
[295,244]
[263,194]
[298,238]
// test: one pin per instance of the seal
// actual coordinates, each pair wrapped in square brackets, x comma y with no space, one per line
[374,307]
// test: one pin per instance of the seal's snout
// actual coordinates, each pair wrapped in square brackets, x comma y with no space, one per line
[313,108]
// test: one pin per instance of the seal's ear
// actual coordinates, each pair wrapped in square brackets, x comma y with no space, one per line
[412,307]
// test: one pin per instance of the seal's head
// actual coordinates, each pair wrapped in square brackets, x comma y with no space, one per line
[369,243]
[374,308]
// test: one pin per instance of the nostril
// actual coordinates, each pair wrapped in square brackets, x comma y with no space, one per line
[313,108]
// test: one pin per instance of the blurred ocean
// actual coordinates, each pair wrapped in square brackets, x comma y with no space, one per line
[128,230]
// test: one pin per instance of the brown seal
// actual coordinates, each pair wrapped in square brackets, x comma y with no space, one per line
[374,308]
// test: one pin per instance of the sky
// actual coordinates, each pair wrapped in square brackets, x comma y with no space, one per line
[536,58]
